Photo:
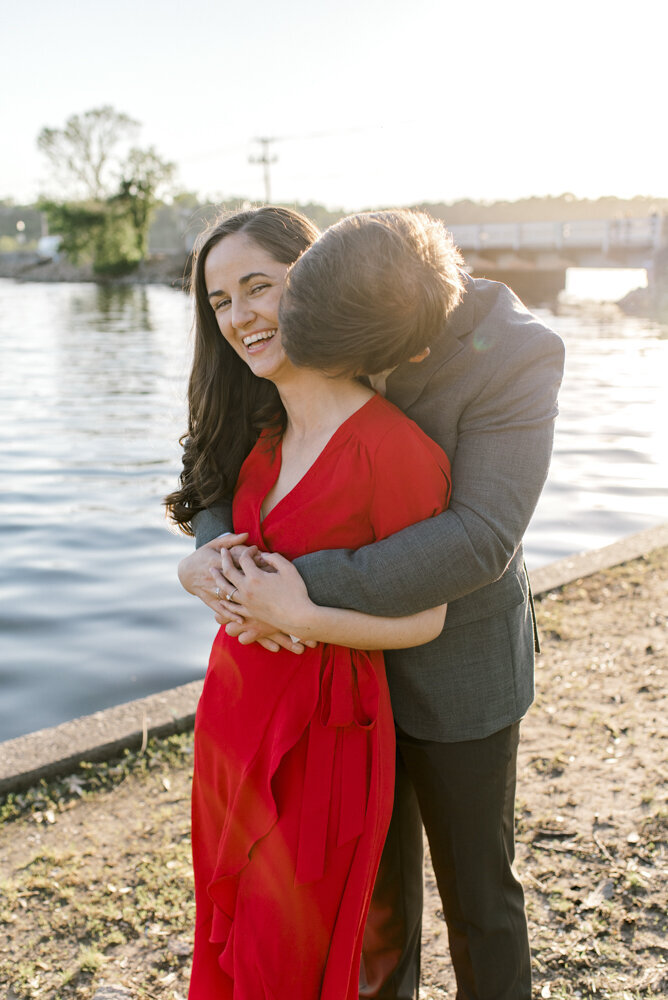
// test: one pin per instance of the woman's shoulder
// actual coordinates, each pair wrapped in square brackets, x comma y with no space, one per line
[408,474]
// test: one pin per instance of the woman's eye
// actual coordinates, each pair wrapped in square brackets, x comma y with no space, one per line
[220,304]
[259,288]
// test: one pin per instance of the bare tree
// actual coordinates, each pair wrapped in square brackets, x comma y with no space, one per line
[85,153]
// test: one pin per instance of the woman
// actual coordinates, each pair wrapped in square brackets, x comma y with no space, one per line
[292,789]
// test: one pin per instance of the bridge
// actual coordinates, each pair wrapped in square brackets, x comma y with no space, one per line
[533,257]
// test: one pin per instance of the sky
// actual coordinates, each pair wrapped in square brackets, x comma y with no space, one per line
[370,102]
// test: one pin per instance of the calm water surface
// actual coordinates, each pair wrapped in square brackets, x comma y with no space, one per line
[92,388]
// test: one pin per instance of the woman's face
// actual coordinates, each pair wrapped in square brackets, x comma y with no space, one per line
[244,285]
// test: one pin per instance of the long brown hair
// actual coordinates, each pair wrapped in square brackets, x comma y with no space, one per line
[228,405]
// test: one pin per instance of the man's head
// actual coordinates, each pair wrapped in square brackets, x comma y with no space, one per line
[373,291]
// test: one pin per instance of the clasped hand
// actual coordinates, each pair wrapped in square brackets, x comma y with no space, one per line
[266,591]
[200,574]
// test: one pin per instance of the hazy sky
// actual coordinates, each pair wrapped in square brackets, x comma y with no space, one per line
[375,102]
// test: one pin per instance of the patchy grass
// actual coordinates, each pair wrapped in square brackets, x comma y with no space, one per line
[98,880]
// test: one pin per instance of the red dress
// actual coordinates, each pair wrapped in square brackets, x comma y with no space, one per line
[294,755]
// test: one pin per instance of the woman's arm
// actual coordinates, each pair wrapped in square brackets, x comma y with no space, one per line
[360,631]
[280,596]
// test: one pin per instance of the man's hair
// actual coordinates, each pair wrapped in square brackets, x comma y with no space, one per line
[373,291]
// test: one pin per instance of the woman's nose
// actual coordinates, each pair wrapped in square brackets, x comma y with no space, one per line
[242,314]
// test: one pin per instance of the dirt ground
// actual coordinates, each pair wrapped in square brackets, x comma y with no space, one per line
[95,868]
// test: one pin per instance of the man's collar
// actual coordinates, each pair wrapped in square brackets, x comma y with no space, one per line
[406,382]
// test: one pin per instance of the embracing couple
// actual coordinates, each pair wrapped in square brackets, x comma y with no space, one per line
[369,432]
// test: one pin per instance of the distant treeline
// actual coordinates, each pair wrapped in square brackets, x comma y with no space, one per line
[564,208]
[173,223]
[172,220]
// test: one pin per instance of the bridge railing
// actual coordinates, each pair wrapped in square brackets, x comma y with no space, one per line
[600,234]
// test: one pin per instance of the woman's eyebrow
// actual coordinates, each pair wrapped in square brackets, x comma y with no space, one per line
[242,281]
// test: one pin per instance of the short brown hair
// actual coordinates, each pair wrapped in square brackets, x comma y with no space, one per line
[374,290]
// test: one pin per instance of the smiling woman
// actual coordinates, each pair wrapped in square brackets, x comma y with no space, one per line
[228,405]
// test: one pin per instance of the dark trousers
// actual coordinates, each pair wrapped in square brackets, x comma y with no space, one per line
[464,794]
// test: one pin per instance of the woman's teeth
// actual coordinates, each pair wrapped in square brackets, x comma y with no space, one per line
[255,337]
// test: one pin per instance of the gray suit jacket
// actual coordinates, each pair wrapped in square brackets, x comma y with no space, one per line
[487,394]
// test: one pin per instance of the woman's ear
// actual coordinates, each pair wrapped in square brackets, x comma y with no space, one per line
[417,358]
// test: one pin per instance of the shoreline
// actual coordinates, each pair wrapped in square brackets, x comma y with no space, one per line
[159,268]
[103,735]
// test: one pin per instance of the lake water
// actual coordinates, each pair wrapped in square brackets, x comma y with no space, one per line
[92,394]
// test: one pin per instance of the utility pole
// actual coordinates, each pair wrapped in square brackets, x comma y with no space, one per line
[266,160]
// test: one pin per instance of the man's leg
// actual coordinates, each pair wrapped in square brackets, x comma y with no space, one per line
[391,950]
[466,793]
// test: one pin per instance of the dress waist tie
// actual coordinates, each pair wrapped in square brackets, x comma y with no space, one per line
[348,709]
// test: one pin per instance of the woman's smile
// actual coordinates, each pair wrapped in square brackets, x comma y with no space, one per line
[252,339]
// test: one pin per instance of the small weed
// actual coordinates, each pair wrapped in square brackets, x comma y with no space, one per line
[90,960]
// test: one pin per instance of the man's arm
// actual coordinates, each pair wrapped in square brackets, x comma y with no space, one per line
[503,453]
[282,594]
[209,524]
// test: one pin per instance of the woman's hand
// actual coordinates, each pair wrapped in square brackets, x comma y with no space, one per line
[206,574]
[267,588]
[195,570]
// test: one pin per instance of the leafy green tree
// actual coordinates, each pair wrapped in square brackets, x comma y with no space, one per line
[79,224]
[111,190]
[145,176]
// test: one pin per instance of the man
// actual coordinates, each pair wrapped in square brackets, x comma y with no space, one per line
[487,394]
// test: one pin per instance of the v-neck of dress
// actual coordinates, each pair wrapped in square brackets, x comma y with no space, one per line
[276,463]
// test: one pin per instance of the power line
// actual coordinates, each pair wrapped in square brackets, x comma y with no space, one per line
[265,159]
[304,136]
[214,152]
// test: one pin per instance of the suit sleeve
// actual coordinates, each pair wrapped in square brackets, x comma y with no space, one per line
[211,523]
[504,446]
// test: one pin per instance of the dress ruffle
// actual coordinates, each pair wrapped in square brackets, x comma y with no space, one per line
[335,695]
